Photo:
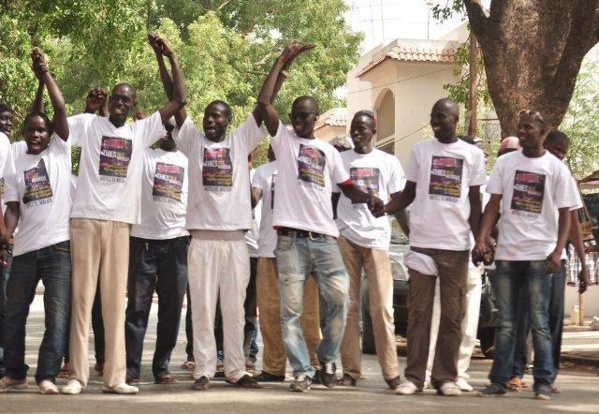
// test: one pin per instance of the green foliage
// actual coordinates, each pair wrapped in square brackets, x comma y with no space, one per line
[581,123]
[450,7]
[460,91]
[225,49]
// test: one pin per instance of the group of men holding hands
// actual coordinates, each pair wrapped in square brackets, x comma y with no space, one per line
[140,219]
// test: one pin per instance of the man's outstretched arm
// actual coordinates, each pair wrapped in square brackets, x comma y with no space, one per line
[269,88]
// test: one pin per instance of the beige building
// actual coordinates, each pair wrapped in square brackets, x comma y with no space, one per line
[400,82]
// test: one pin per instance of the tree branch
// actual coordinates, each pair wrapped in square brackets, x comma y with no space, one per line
[478,20]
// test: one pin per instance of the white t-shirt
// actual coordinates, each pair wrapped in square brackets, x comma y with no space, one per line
[219,183]
[111,165]
[42,186]
[376,173]
[253,234]
[19,148]
[7,165]
[443,174]
[308,169]
[532,189]
[163,196]
[265,179]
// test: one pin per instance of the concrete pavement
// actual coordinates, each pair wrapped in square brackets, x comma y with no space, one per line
[580,390]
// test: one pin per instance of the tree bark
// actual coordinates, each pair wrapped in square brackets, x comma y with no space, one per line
[533,51]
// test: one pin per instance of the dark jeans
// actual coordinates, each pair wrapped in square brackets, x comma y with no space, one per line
[4,274]
[556,324]
[189,329]
[160,265]
[507,282]
[52,265]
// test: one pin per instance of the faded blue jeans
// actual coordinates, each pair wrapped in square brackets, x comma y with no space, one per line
[52,265]
[298,257]
[507,283]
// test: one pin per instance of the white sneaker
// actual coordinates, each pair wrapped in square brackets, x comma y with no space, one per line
[449,389]
[463,384]
[123,388]
[48,387]
[73,387]
[407,388]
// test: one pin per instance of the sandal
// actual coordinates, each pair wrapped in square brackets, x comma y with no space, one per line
[515,384]
[190,365]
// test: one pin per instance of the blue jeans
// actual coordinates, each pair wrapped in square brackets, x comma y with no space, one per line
[4,274]
[160,265]
[556,324]
[507,282]
[298,257]
[52,265]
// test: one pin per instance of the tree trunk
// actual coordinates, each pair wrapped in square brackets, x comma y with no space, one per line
[533,50]
[473,87]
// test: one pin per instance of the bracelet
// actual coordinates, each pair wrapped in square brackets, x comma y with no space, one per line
[285,73]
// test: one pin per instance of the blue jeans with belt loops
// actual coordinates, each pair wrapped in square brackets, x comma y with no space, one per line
[298,257]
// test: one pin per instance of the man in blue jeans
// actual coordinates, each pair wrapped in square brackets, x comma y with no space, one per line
[303,217]
[38,199]
[558,144]
[534,193]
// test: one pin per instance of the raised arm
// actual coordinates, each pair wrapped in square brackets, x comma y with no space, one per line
[59,120]
[38,102]
[273,83]
[96,102]
[165,77]
[179,95]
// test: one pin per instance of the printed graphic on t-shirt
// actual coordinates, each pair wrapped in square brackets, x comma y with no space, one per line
[529,189]
[272,190]
[366,179]
[217,174]
[168,182]
[310,164]
[37,186]
[446,178]
[115,155]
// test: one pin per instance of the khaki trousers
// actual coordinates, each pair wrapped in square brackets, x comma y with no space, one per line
[377,266]
[274,357]
[453,276]
[99,249]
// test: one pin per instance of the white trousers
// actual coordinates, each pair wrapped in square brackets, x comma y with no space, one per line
[218,261]
[469,324]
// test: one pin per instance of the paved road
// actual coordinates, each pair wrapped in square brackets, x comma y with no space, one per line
[580,392]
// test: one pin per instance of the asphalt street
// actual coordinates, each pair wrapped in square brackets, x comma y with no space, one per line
[579,390]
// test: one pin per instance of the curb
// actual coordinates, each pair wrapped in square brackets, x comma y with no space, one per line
[589,361]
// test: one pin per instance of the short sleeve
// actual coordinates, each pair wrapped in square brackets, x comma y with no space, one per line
[275,141]
[339,174]
[566,194]
[257,180]
[11,190]
[79,126]
[412,172]
[479,176]
[185,136]
[396,177]
[7,165]
[250,134]
[494,186]
[148,130]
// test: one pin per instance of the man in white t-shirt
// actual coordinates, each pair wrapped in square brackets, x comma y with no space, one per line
[38,200]
[534,193]
[158,259]
[364,245]
[307,170]
[106,204]
[443,186]
[274,357]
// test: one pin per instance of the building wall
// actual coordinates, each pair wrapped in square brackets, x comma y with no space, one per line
[416,86]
